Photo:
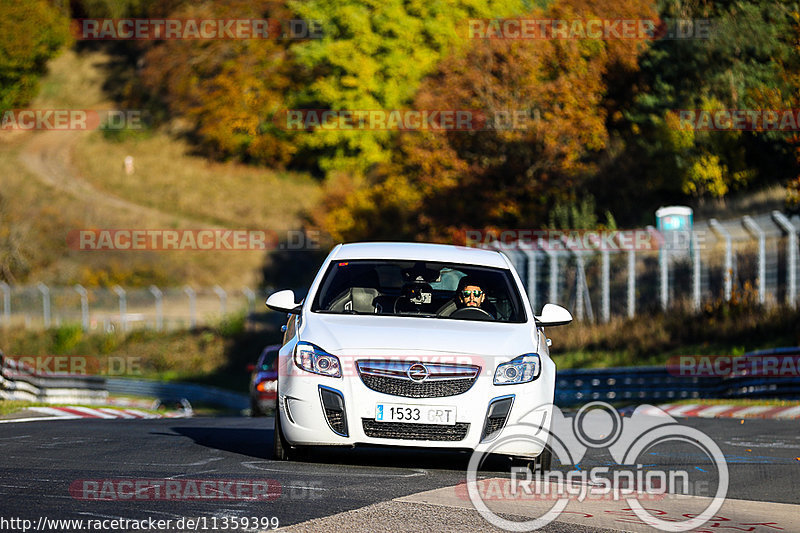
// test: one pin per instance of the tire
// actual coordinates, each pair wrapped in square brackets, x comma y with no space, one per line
[280,448]
[541,464]
[544,461]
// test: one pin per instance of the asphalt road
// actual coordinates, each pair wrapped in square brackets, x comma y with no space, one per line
[40,462]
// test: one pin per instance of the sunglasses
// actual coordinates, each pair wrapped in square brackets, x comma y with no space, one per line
[476,294]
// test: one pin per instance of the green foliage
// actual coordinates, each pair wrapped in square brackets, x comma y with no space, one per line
[579,215]
[373,55]
[743,64]
[31,32]
[232,324]
[66,338]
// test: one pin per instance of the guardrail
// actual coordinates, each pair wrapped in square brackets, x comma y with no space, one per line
[20,382]
[654,384]
[196,394]
[651,384]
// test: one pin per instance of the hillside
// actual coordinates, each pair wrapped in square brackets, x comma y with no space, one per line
[67,180]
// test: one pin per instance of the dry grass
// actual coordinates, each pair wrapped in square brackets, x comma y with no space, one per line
[183,189]
[168,179]
[733,328]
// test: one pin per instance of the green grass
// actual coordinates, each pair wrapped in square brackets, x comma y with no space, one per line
[215,356]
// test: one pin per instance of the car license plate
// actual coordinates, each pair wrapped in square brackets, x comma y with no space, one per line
[443,415]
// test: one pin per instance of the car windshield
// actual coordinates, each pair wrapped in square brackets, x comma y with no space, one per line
[419,289]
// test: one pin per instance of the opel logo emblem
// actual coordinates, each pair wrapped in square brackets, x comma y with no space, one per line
[417,372]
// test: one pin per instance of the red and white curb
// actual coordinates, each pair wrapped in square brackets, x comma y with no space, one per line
[728,411]
[72,412]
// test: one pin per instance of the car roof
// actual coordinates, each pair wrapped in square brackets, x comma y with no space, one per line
[420,252]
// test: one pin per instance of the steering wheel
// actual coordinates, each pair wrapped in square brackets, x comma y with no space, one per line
[472,313]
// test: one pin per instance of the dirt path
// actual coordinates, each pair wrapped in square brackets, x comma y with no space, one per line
[49,156]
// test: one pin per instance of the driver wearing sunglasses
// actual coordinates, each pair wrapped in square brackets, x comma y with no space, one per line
[471,296]
[469,293]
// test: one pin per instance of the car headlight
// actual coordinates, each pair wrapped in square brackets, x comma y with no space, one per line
[314,359]
[521,369]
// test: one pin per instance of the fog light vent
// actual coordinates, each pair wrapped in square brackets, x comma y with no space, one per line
[496,417]
[333,406]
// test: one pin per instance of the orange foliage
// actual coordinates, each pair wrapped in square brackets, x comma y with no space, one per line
[507,177]
[229,89]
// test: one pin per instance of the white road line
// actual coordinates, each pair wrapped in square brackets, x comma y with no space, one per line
[54,412]
[36,419]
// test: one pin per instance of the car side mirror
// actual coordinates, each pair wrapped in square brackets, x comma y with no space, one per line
[283,301]
[553,315]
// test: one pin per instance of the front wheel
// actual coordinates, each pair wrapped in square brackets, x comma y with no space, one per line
[541,464]
[280,448]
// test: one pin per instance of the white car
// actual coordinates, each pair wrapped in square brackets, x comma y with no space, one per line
[383,351]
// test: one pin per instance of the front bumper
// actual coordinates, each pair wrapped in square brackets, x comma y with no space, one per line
[309,417]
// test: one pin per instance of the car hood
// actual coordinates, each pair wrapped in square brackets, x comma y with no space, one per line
[376,335]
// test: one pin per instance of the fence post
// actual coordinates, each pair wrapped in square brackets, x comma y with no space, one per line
[6,302]
[663,263]
[696,272]
[728,277]
[123,307]
[606,299]
[631,283]
[192,306]
[251,299]
[553,258]
[156,292]
[45,290]
[751,225]
[791,257]
[531,255]
[223,296]
[84,306]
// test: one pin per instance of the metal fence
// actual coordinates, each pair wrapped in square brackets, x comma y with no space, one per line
[119,309]
[749,257]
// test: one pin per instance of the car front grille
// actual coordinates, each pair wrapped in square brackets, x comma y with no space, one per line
[400,430]
[412,389]
[437,380]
